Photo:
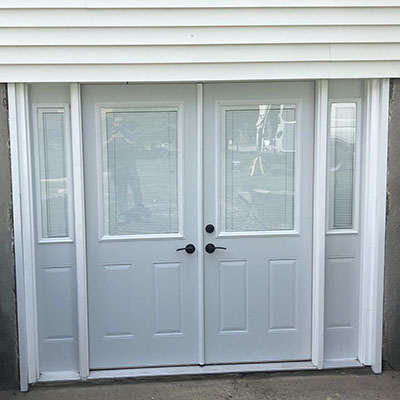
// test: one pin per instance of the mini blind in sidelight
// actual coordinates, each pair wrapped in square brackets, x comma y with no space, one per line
[342,163]
[51,139]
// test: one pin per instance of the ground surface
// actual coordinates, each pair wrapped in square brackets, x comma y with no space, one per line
[331,385]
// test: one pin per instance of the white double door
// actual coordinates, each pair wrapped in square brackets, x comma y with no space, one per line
[249,300]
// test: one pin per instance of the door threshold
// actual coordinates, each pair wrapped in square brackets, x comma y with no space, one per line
[198,370]
[337,363]
[61,376]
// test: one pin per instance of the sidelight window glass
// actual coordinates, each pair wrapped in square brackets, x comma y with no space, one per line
[51,134]
[342,164]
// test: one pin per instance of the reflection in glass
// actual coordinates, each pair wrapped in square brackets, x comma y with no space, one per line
[258,168]
[140,171]
[342,162]
[53,172]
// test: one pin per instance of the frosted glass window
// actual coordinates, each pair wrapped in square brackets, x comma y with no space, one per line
[53,172]
[342,145]
[140,171]
[258,168]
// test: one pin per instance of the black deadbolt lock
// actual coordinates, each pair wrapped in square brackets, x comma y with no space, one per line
[210,228]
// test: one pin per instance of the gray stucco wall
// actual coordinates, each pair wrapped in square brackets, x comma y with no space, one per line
[8,332]
[391,322]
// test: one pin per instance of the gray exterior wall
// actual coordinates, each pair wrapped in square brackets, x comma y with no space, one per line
[8,333]
[8,330]
[391,321]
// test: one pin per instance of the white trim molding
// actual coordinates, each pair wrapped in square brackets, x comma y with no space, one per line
[373,220]
[18,243]
[80,228]
[24,236]
[319,221]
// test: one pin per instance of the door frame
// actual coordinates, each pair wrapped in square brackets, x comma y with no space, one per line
[372,218]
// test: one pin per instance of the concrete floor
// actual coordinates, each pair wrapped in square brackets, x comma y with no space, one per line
[331,385]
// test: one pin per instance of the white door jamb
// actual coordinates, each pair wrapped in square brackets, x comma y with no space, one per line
[373,218]
[24,238]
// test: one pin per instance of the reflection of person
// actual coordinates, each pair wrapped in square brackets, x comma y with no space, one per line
[121,160]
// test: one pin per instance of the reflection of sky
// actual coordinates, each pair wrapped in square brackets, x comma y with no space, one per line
[343,121]
[264,127]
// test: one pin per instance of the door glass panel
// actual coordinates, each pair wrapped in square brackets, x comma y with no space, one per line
[140,177]
[342,164]
[258,168]
[51,138]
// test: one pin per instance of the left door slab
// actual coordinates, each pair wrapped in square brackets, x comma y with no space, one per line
[140,164]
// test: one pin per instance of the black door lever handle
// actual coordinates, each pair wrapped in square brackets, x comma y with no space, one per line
[189,248]
[210,248]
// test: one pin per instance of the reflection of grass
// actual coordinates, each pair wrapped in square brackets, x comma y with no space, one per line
[158,185]
[262,201]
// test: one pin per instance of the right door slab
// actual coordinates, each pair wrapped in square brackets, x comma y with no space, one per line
[258,174]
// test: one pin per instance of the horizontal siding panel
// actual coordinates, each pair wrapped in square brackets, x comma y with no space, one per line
[200,17]
[191,3]
[365,52]
[197,54]
[162,54]
[198,72]
[197,36]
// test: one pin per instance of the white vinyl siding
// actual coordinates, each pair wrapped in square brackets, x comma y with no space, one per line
[209,40]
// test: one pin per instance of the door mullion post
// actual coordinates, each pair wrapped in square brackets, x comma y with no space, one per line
[319,221]
[200,221]
[80,228]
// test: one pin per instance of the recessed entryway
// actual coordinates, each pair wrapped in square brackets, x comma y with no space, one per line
[199,228]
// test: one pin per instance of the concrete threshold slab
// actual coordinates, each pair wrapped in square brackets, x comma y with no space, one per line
[327,385]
